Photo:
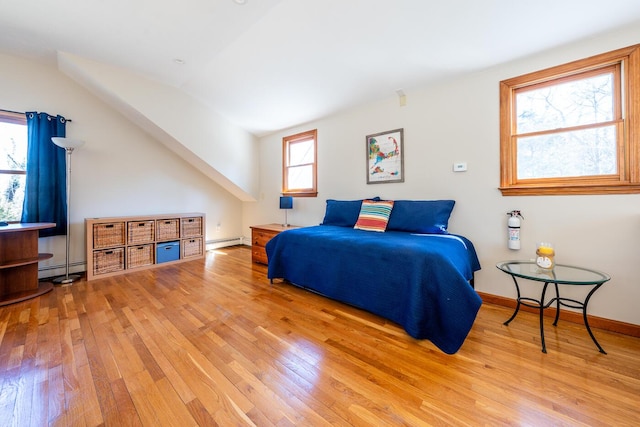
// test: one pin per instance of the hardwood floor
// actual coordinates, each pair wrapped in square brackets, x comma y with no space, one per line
[213,343]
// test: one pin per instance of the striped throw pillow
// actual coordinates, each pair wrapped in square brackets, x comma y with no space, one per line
[374,215]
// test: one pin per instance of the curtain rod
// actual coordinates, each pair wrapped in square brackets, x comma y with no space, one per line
[21,112]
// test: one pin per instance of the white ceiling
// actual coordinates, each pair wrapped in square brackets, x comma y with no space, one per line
[271,64]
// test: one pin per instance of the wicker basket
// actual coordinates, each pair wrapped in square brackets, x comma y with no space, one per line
[107,235]
[140,232]
[138,256]
[191,247]
[108,260]
[191,227]
[167,229]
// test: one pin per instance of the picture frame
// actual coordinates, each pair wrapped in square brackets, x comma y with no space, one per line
[385,157]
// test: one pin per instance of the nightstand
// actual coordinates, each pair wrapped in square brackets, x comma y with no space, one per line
[260,235]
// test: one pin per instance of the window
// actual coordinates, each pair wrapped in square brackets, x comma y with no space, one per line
[573,129]
[299,164]
[13,163]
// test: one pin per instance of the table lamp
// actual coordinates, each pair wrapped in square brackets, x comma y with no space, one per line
[286,203]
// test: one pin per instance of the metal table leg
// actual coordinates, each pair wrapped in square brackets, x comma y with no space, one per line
[586,321]
[513,316]
[558,303]
[542,307]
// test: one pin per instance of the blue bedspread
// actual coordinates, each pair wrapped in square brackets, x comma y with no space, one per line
[417,281]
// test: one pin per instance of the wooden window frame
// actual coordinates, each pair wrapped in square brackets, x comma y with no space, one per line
[286,143]
[627,110]
[19,119]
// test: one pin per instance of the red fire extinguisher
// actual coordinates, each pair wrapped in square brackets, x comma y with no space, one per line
[513,225]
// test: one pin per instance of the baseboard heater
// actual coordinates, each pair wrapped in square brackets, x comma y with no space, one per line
[221,243]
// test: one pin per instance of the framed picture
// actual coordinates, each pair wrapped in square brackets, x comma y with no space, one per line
[385,157]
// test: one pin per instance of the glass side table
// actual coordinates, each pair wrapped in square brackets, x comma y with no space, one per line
[560,275]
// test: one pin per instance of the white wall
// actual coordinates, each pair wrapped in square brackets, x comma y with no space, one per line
[458,120]
[123,171]
[120,170]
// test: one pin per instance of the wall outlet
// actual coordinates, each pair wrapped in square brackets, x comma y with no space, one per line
[460,167]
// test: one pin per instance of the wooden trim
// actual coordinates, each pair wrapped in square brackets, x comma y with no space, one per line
[507,168]
[13,117]
[632,121]
[577,128]
[286,142]
[593,62]
[569,316]
[300,193]
[554,190]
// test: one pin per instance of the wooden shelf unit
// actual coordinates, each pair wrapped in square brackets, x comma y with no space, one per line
[117,245]
[19,260]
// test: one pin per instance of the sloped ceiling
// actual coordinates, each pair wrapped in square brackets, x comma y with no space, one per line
[265,65]
[270,64]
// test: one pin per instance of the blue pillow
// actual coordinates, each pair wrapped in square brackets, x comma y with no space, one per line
[421,216]
[343,213]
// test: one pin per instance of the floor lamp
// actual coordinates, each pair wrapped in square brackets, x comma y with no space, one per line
[69,145]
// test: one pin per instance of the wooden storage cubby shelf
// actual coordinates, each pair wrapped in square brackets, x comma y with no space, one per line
[117,245]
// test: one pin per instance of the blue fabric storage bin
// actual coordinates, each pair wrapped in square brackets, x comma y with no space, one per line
[167,251]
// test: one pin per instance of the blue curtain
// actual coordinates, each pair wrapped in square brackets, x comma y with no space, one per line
[45,195]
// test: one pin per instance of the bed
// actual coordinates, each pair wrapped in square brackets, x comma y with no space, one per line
[414,273]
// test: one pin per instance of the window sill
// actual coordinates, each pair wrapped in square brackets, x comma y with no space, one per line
[566,190]
[300,194]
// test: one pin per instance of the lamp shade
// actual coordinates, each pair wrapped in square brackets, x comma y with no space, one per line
[67,142]
[286,202]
